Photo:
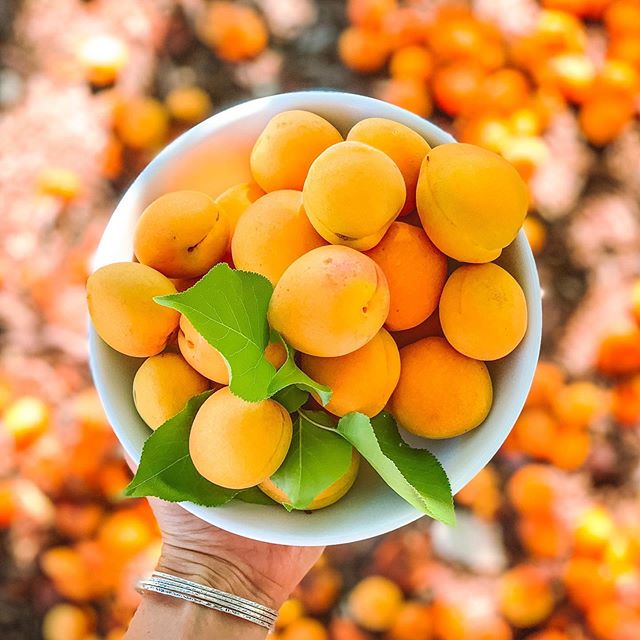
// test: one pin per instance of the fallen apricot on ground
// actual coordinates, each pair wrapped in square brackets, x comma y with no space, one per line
[329,496]
[353,193]
[483,311]
[233,202]
[181,234]
[163,385]
[375,603]
[284,151]
[123,312]
[362,380]
[402,144]
[208,361]
[272,233]
[416,272]
[471,201]
[525,596]
[330,302]
[238,444]
[441,393]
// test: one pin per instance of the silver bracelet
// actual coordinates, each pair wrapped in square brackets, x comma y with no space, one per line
[175,587]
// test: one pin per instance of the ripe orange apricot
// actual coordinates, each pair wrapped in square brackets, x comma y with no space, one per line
[536,233]
[362,380]
[66,621]
[458,203]
[181,234]
[190,104]
[410,94]
[26,419]
[413,62]
[321,587]
[430,327]
[353,193]
[536,431]
[483,311]
[593,530]
[305,629]
[625,401]
[486,130]
[547,381]
[235,31]
[504,90]
[330,302]
[525,596]
[369,13]
[416,272]
[363,50]
[403,145]
[289,611]
[577,404]
[587,582]
[272,233]
[208,361]
[530,489]
[619,352]
[414,622]
[543,536]
[456,86]
[622,17]
[286,148]
[603,117]
[233,202]
[123,312]
[441,393]
[142,123]
[163,385]
[251,439]
[124,533]
[375,603]
[325,498]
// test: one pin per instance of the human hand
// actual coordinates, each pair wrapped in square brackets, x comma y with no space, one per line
[198,551]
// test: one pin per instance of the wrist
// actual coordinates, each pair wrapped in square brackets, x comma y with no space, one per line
[221,573]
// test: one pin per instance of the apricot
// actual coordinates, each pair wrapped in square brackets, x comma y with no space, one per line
[289,611]
[66,621]
[402,144]
[363,50]
[272,233]
[163,385]
[329,496]
[233,202]
[353,193]
[525,596]
[208,361]
[330,302]
[190,104]
[284,151]
[410,94]
[416,272]
[142,123]
[375,603]
[26,419]
[471,201]
[483,311]
[123,312]
[238,444]
[441,393]
[181,234]
[531,490]
[305,629]
[362,380]
[414,622]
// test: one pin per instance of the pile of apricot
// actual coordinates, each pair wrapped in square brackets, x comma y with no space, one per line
[391,308]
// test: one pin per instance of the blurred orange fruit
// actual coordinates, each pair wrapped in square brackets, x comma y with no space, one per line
[531,489]
[412,62]
[543,536]
[363,50]
[456,86]
[142,122]
[603,117]
[536,233]
[408,94]
[536,430]
[305,629]
[375,603]
[592,532]
[414,622]
[578,403]
[60,183]
[189,103]
[26,419]
[619,352]
[369,13]
[66,621]
[622,18]
[525,596]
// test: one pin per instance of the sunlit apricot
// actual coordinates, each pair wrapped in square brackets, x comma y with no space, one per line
[369,13]
[543,536]
[625,401]
[375,603]
[411,63]
[547,381]
[66,621]
[622,17]
[26,419]
[320,589]
[305,629]
[414,622]
[531,489]
[504,90]
[189,104]
[289,611]
[482,494]
[536,432]
[619,352]
[142,123]
[363,50]
[603,117]
[536,233]
[490,131]
[456,86]
[124,533]
[578,403]
[59,182]
[409,94]
[593,530]
[525,596]
[103,57]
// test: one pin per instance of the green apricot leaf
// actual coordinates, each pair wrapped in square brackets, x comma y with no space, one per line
[317,458]
[166,470]
[255,496]
[414,474]
[228,308]
[291,398]
[289,374]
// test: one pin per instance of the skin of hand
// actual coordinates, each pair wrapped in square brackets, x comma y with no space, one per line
[198,551]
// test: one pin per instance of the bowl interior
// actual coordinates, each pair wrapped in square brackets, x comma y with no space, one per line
[214,155]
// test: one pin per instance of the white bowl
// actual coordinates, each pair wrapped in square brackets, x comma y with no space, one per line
[213,156]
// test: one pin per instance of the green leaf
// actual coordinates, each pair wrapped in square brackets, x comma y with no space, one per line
[255,496]
[289,374]
[291,398]
[229,309]
[414,474]
[316,459]
[166,470]
[320,419]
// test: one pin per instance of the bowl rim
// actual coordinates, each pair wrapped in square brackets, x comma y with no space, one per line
[329,98]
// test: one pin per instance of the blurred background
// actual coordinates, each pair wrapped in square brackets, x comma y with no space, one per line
[548,541]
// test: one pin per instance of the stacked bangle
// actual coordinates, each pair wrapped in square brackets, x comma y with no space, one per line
[182,589]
